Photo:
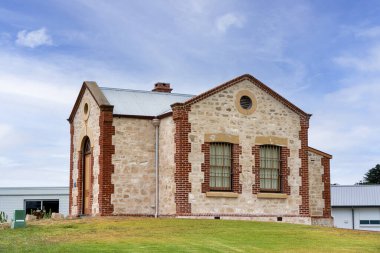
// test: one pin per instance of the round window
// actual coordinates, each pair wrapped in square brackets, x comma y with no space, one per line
[85,109]
[246,102]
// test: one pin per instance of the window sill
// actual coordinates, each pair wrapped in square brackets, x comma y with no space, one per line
[222,194]
[267,195]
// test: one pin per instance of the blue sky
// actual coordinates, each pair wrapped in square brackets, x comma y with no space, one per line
[324,56]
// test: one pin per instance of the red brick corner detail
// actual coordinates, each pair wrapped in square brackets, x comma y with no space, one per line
[326,194]
[285,171]
[106,168]
[182,165]
[80,183]
[304,208]
[256,169]
[236,168]
[205,167]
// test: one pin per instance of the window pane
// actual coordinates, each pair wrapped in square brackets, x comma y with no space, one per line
[374,221]
[220,166]
[50,206]
[32,205]
[269,167]
[363,222]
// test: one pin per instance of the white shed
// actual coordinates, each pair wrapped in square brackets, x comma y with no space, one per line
[356,206]
[54,199]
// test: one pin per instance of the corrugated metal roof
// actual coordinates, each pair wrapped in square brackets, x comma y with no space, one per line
[355,195]
[142,103]
[17,191]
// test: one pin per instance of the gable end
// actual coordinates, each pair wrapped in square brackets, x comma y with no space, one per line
[255,81]
[95,92]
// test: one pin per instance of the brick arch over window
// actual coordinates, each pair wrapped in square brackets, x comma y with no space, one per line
[85,132]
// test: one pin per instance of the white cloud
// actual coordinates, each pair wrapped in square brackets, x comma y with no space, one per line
[371,32]
[370,61]
[228,20]
[34,38]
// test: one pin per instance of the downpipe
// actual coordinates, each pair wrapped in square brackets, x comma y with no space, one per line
[156,124]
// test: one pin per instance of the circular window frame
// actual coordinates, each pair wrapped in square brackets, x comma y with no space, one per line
[238,97]
[86,110]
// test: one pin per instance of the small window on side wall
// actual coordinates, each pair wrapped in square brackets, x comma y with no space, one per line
[220,166]
[270,167]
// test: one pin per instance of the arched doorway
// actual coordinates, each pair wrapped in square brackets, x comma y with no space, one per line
[86,208]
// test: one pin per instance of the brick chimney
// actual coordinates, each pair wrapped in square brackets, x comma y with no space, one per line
[162,87]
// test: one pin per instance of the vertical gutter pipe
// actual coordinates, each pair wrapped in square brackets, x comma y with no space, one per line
[156,124]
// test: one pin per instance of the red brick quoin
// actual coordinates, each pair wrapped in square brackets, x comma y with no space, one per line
[80,181]
[106,168]
[182,165]
[304,208]
[326,191]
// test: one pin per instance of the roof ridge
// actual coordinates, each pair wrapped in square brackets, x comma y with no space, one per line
[146,91]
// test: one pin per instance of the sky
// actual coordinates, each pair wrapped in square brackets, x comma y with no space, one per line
[323,56]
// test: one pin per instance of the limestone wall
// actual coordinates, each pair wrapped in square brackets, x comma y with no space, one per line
[133,177]
[167,167]
[86,126]
[316,185]
[218,114]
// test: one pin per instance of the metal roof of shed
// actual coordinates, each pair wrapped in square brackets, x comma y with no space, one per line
[30,191]
[142,103]
[355,195]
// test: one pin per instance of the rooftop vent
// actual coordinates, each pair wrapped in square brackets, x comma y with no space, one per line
[162,87]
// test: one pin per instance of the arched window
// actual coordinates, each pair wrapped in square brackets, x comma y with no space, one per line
[87,147]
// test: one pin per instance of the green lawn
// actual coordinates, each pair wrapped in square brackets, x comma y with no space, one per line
[181,235]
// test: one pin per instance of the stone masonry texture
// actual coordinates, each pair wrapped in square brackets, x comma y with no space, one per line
[80,129]
[123,156]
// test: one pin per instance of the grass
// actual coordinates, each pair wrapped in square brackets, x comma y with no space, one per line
[119,234]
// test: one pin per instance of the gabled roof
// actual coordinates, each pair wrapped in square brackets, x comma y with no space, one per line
[318,152]
[96,93]
[142,103]
[149,104]
[355,195]
[255,81]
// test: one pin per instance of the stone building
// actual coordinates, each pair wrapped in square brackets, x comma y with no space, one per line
[237,151]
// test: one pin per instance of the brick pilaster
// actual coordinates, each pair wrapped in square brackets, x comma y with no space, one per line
[304,208]
[80,183]
[327,190]
[205,167]
[106,168]
[285,171]
[236,168]
[182,165]
[256,169]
